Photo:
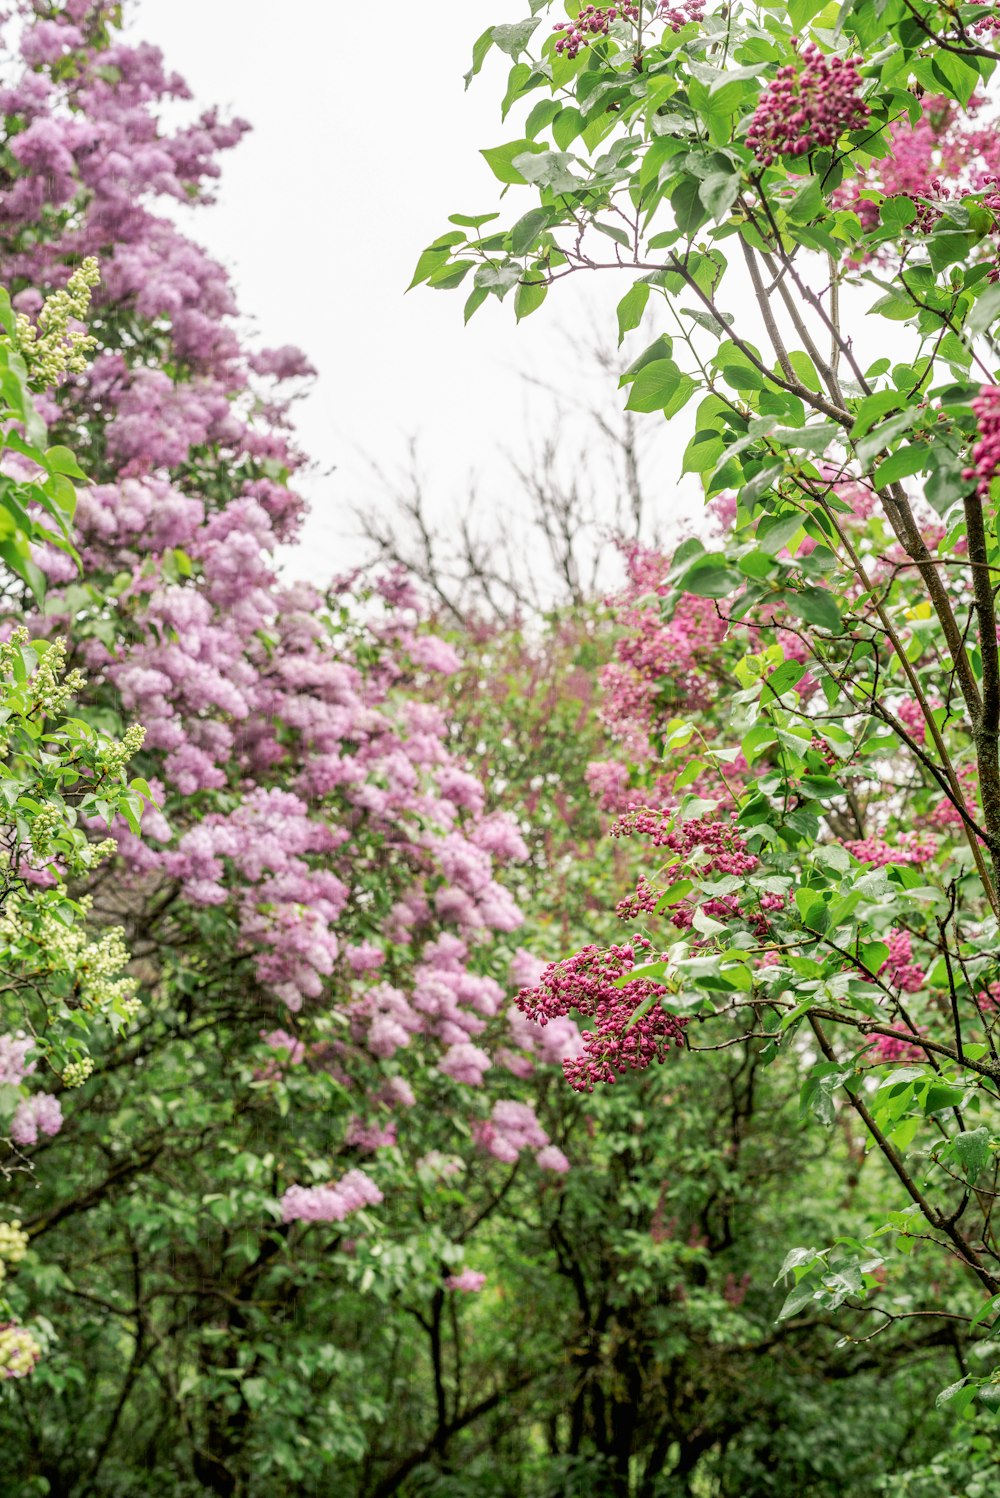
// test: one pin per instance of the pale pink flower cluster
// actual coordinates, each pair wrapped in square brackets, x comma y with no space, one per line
[14,1063]
[290,751]
[369,1137]
[41,1113]
[330,1203]
[468,1281]
[511,1128]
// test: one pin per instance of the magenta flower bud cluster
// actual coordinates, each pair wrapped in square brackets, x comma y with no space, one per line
[911,847]
[986,452]
[886,1049]
[807,106]
[678,16]
[592,21]
[899,969]
[618,1042]
[718,846]
[989,25]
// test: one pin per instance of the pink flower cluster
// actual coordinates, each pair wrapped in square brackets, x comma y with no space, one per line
[330,1203]
[660,664]
[41,1113]
[885,1049]
[986,452]
[945,143]
[899,969]
[513,1127]
[14,1063]
[621,1038]
[369,1137]
[714,847]
[911,847]
[592,21]
[292,754]
[807,106]
[679,16]
[469,1281]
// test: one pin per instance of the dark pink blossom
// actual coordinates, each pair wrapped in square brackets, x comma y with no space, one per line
[808,106]
[621,1037]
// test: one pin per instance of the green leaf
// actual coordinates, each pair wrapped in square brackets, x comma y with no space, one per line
[959,77]
[547,168]
[985,309]
[479,52]
[542,115]
[685,389]
[61,460]
[710,577]
[816,606]
[631,309]
[500,159]
[719,192]
[873,408]
[524,234]
[915,458]
[512,39]
[802,11]
[520,74]
[775,532]
[784,678]
[435,256]
[972,1150]
[653,386]
[528,297]
[957,1397]
[898,212]
[476,299]
[895,307]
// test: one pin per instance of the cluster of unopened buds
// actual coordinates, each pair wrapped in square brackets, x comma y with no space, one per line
[824,751]
[986,452]
[77,1072]
[628,1033]
[593,20]
[928,215]
[716,846]
[990,23]
[807,107]
[643,901]
[678,16]
[54,346]
[13,1246]
[19,1352]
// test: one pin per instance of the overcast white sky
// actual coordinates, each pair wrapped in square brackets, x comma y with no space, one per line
[363,142]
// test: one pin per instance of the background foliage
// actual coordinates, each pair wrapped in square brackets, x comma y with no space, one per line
[295,1196]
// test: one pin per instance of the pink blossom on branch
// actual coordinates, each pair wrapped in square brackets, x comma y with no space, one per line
[621,1038]
[39,1114]
[808,106]
[469,1281]
[330,1203]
